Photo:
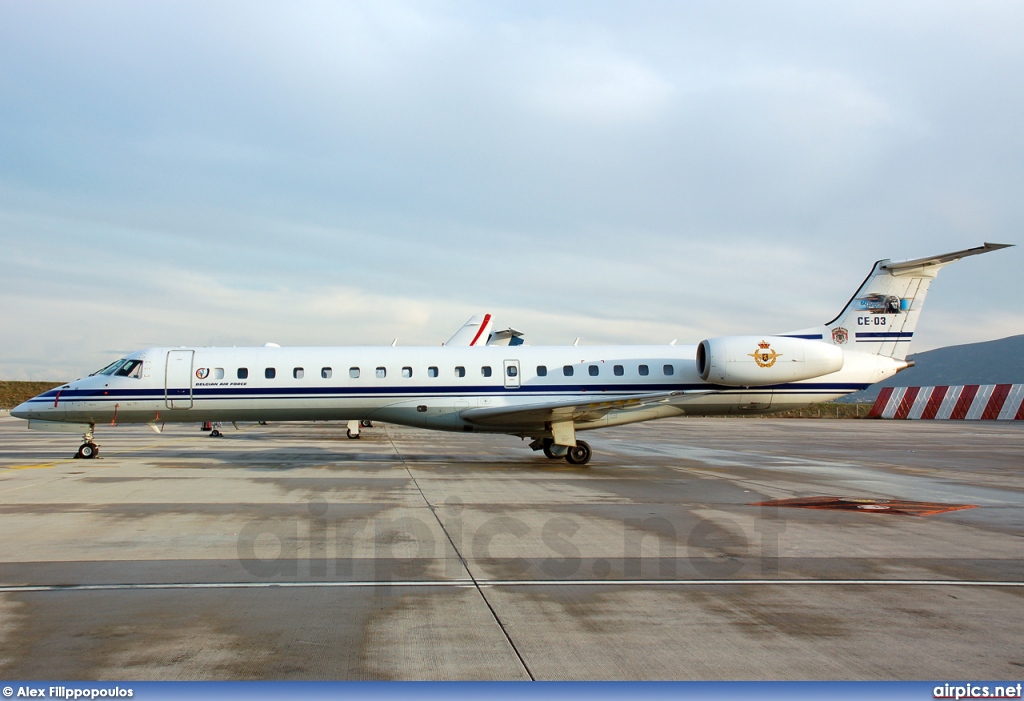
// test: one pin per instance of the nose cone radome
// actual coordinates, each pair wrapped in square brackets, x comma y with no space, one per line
[20,411]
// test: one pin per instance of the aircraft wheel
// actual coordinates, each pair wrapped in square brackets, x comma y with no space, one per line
[366,423]
[87,451]
[580,455]
[548,453]
[215,433]
[351,434]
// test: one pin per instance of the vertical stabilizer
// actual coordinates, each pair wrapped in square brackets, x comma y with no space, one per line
[474,332]
[882,315]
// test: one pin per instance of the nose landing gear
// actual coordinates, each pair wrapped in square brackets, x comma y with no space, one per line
[88,450]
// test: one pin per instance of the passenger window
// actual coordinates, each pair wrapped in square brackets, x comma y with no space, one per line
[511,371]
[382,373]
[460,371]
[218,373]
[407,372]
[432,371]
[326,373]
[668,370]
[298,373]
[353,373]
[567,370]
[270,373]
[643,370]
[542,371]
[485,371]
[243,373]
[618,371]
[593,370]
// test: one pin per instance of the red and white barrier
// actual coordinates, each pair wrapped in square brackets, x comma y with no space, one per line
[963,402]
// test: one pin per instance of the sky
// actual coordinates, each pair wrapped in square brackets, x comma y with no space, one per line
[331,173]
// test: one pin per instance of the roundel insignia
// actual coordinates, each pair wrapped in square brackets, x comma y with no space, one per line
[203,373]
[764,356]
[840,336]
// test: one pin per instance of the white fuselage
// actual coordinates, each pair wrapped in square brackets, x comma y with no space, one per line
[430,387]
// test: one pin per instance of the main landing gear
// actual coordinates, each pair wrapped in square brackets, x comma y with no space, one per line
[579,455]
[88,450]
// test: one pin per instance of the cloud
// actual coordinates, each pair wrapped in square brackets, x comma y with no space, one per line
[333,173]
[595,88]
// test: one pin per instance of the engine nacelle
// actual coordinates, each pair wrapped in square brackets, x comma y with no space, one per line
[757,361]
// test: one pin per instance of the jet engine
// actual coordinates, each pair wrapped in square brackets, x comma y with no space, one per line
[757,361]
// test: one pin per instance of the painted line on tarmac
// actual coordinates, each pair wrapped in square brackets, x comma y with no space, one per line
[468,583]
[40,466]
[112,453]
[748,582]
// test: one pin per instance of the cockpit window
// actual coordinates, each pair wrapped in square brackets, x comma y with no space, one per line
[110,369]
[132,368]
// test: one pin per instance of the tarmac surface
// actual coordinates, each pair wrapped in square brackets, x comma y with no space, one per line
[290,552]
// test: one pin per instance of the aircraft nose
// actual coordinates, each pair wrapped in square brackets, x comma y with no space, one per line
[20,411]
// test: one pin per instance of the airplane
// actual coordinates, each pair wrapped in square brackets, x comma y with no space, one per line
[479,331]
[545,393]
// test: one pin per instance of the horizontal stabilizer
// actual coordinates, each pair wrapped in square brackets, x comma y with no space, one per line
[919,264]
[508,337]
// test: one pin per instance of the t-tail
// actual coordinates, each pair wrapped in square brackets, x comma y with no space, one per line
[881,316]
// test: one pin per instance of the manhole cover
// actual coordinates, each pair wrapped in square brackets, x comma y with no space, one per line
[878,506]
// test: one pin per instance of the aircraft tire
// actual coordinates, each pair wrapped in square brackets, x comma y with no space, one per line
[87,451]
[548,444]
[580,455]
[366,423]
[350,434]
[215,433]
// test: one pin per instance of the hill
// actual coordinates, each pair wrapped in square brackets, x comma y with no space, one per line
[986,363]
[14,393]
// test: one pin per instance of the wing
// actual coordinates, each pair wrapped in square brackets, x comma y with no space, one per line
[578,409]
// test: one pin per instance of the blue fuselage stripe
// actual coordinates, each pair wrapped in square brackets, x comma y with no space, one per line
[268,393]
[886,334]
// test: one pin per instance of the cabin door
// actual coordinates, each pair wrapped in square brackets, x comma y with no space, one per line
[178,386]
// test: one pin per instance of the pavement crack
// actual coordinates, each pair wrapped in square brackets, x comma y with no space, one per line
[462,559]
